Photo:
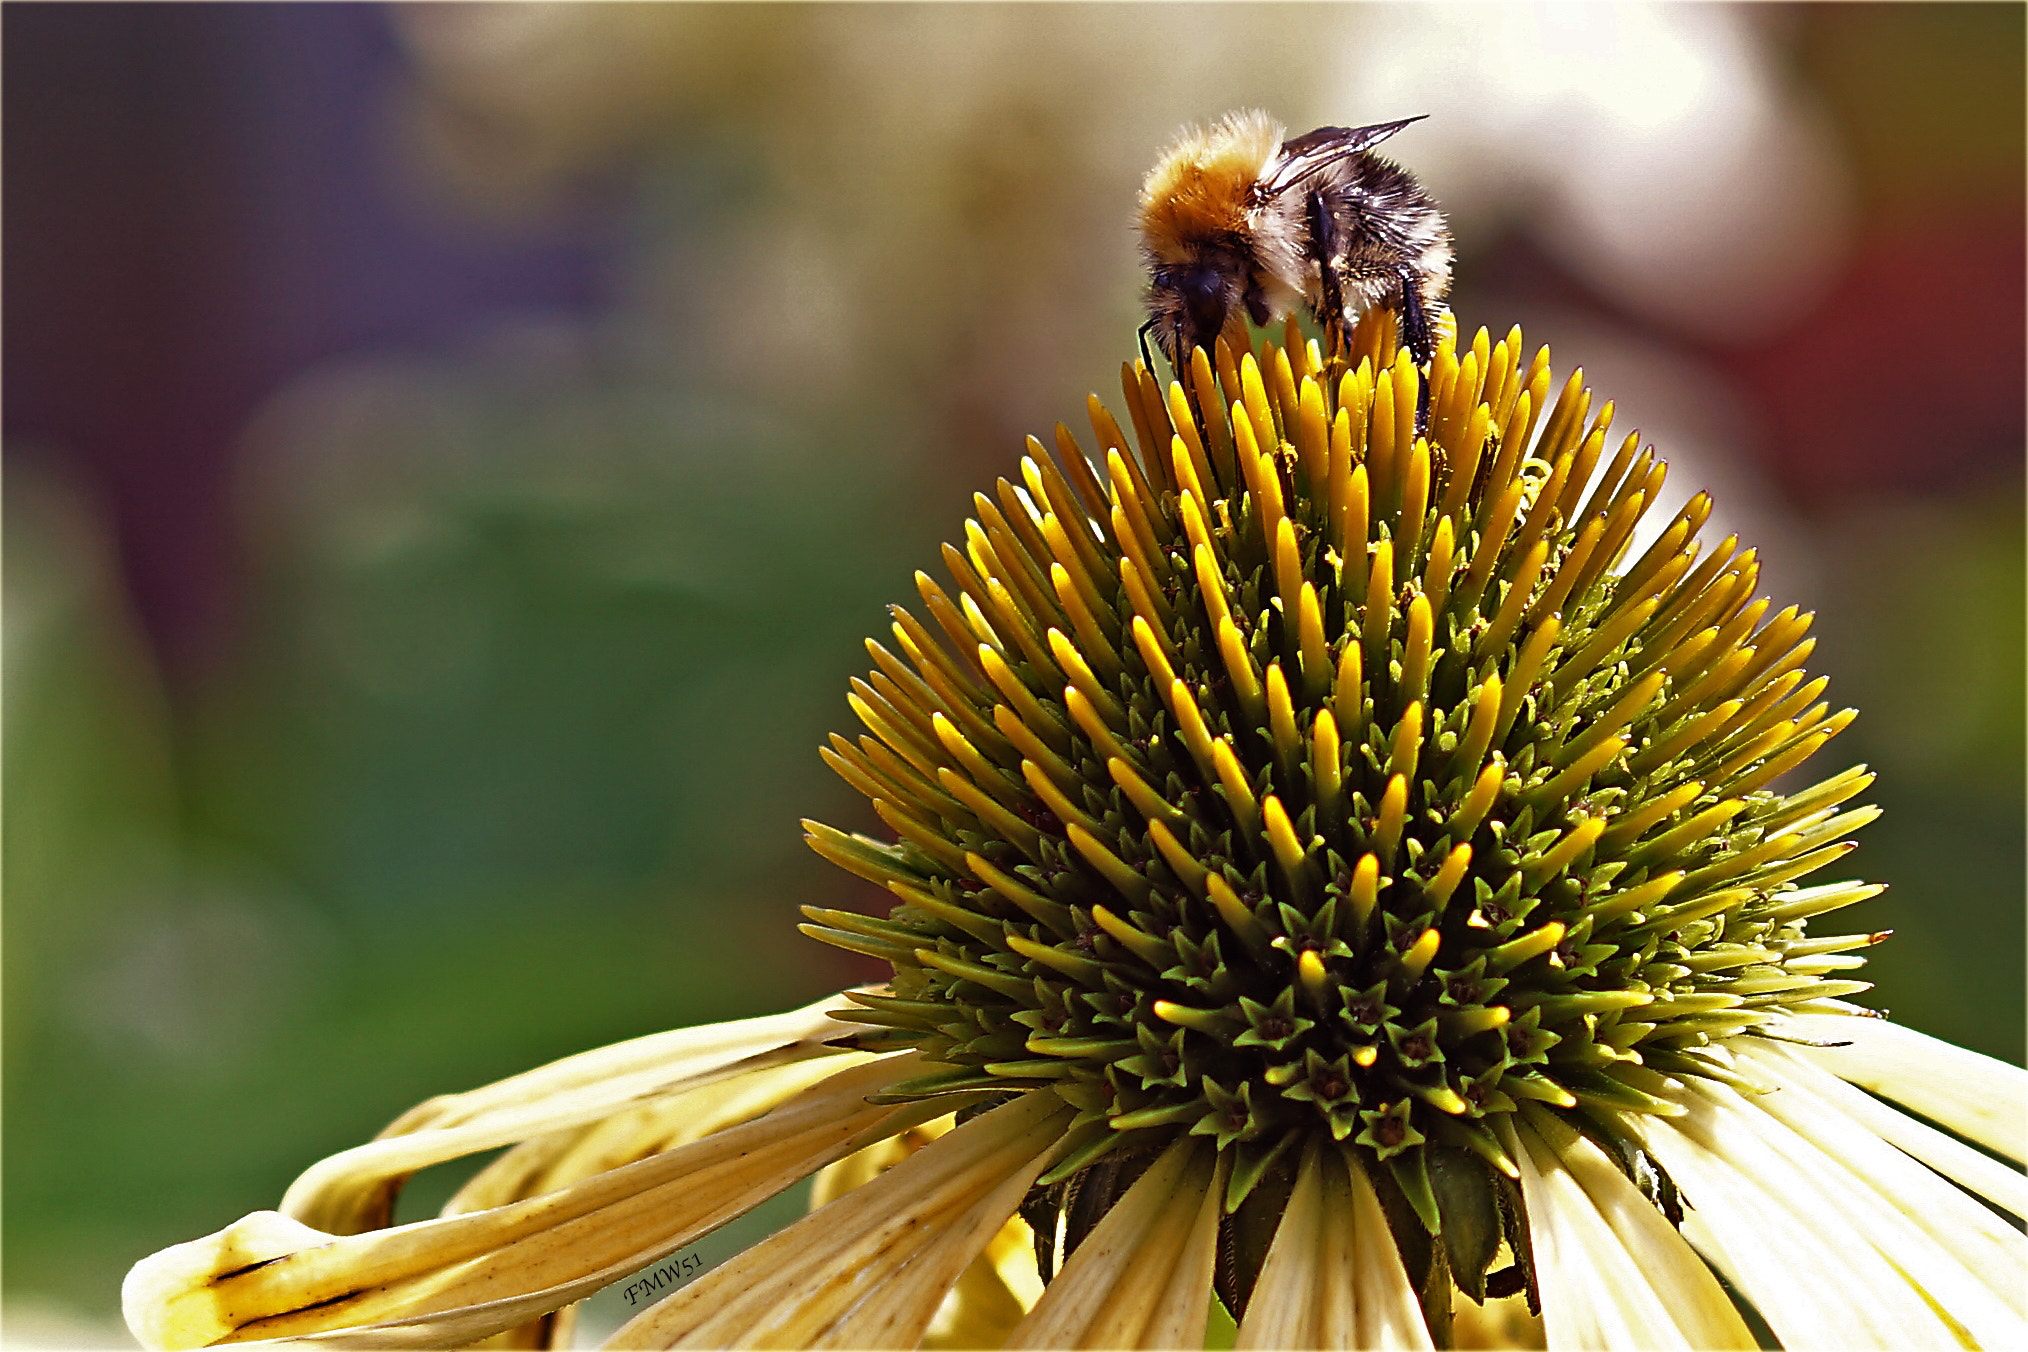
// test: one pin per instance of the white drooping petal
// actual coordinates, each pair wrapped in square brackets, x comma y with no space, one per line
[1324,1265]
[1978,1097]
[871,1268]
[456,1279]
[1781,1236]
[1681,1281]
[1999,1183]
[1951,1288]
[1611,1270]
[1337,1314]
[1816,1105]
[1591,1295]
[354,1189]
[1142,1277]
[1286,1306]
[1386,1311]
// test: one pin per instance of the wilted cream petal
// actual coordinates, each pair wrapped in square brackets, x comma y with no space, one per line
[1001,1285]
[1777,1238]
[862,1167]
[558,1328]
[1387,1313]
[908,1305]
[683,1048]
[1816,1105]
[564,1157]
[1286,1305]
[1695,1302]
[1180,1306]
[1611,1269]
[354,1190]
[871,1268]
[158,1289]
[1978,1097]
[1142,1277]
[995,1290]
[422,1284]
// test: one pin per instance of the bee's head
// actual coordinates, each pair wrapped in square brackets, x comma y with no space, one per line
[1190,302]
[1196,230]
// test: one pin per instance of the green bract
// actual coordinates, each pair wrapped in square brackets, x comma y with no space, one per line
[1308,780]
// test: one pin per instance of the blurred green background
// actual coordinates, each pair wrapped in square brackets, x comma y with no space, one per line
[454,453]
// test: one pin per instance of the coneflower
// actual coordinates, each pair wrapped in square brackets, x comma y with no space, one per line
[1338,878]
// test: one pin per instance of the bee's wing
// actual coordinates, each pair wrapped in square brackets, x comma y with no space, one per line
[1302,156]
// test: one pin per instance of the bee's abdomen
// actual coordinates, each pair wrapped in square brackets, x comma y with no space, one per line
[1382,221]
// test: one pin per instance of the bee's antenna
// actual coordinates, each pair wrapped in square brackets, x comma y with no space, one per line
[1141,337]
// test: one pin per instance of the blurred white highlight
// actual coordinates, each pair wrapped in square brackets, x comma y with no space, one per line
[1655,150]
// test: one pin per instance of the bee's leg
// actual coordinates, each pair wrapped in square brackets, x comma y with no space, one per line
[1415,332]
[1324,248]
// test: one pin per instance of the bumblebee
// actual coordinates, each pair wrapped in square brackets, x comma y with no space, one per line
[1236,219]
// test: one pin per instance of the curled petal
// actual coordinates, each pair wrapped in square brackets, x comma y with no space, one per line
[354,1190]
[458,1278]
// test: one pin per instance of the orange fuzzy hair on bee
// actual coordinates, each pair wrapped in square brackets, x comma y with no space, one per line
[1198,190]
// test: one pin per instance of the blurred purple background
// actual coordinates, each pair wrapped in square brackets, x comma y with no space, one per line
[199,209]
